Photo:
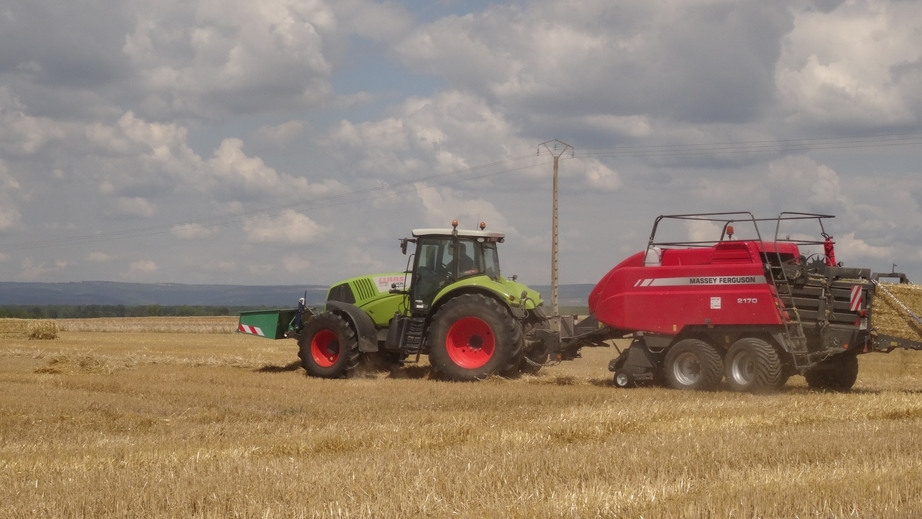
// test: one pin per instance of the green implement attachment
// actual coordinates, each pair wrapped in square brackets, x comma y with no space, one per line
[271,324]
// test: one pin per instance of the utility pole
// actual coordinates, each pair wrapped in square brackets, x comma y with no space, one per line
[555,306]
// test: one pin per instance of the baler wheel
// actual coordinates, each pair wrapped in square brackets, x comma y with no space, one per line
[473,336]
[837,373]
[753,365]
[692,364]
[328,347]
[623,379]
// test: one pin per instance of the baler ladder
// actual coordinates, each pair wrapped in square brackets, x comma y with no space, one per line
[793,325]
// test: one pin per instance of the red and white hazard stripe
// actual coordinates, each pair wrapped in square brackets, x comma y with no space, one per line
[252,330]
[857,296]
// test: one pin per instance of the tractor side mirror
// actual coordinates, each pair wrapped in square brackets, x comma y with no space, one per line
[403,244]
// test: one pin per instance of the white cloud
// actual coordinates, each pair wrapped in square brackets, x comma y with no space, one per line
[296,263]
[690,61]
[451,131]
[99,257]
[861,63]
[699,230]
[791,178]
[10,217]
[142,267]
[848,245]
[29,270]
[594,175]
[191,231]
[137,207]
[209,58]
[260,269]
[359,260]
[444,205]
[230,166]
[289,227]
[162,158]
[281,134]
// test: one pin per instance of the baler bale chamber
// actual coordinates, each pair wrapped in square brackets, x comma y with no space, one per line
[894,315]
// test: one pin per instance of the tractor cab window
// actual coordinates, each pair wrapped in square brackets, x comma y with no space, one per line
[465,261]
[490,260]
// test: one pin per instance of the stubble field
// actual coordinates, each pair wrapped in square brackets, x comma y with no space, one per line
[136,423]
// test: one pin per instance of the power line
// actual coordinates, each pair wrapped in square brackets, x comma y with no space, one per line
[760,146]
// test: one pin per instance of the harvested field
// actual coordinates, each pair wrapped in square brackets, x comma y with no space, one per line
[108,424]
[41,329]
[222,324]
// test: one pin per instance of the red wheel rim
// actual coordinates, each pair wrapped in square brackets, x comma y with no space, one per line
[325,348]
[470,343]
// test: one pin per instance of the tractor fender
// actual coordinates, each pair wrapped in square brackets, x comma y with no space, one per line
[360,321]
[441,298]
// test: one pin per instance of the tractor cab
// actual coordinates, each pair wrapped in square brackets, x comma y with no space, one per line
[446,256]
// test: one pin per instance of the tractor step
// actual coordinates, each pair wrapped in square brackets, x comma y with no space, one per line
[413,336]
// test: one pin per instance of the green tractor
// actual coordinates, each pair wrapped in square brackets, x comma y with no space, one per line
[451,303]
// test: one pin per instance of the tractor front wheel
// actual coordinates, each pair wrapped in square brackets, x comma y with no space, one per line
[328,347]
[692,364]
[472,337]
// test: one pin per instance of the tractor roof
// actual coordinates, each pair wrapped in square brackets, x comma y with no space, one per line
[417,233]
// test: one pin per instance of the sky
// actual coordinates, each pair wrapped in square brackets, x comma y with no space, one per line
[278,142]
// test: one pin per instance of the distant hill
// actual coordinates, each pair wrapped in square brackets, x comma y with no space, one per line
[174,294]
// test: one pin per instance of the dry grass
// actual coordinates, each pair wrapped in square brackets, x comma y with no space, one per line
[40,329]
[196,425]
[223,324]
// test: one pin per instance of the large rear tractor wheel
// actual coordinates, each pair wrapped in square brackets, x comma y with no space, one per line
[472,337]
[328,347]
[692,364]
[753,365]
[837,373]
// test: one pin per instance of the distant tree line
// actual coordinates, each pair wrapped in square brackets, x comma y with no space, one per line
[94,311]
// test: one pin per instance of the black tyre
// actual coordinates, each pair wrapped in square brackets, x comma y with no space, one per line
[328,347]
[753,365]
[692,364]
[472,337]
[536,352]
[624,378]
[837,373]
